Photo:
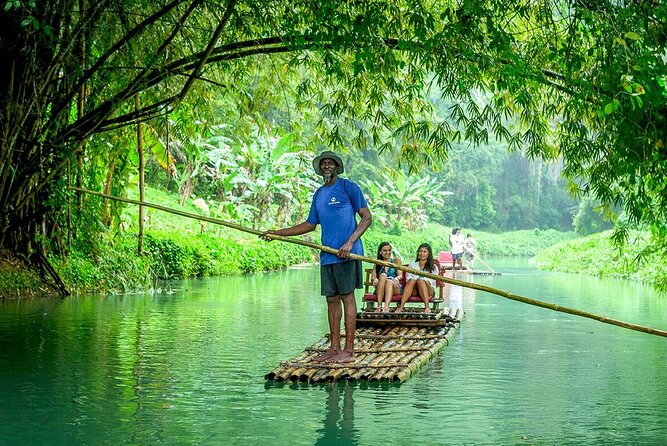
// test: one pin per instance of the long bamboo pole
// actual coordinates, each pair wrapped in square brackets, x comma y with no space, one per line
[474,286]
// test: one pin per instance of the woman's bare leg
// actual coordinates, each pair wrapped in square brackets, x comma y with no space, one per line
[380,291]
[407,293]
[392,289]
[424,289]
[388,293]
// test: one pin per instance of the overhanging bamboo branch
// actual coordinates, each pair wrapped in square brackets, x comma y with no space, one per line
[498,292]
[249,48]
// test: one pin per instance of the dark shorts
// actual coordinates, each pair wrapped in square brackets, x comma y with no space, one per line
[341,278]
[457,256]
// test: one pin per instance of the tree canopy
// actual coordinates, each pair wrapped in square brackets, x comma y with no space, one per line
[576,80]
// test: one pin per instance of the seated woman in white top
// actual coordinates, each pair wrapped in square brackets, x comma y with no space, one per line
[420,286]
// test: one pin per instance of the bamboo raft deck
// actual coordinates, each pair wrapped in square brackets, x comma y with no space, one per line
[388,347]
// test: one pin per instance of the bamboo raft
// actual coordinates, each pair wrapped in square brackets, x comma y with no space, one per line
[388,347]
[482,273]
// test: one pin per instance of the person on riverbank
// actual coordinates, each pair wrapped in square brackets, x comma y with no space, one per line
[420,286]
[386,279]
[470,251]
[458,246]
[334,208]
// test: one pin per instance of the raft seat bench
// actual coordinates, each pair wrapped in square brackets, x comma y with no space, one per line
[370,299]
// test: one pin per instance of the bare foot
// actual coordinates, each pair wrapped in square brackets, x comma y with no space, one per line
[343,356]
[378,309]
[385,310]
[326,356]
[427,310]
[399,309]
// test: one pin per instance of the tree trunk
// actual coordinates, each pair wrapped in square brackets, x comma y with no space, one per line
[106,216]
[140,149]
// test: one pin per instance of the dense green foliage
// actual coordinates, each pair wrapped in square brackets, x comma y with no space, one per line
[18,281]
[520,243]
[176,248]
[483,188]
[588,220]
[516,243]
[118,269]
[112,267]
[218,85]
[595,255]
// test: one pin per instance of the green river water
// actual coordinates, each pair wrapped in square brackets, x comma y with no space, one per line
[186,366]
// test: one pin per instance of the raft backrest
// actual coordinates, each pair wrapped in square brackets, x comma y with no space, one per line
[445,257]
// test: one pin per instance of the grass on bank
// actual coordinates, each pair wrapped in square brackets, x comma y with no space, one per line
[175,248]
[16,280]
[525,243]
[595,255]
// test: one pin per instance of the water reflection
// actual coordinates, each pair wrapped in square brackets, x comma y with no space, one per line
[455,299]
[188,368]
[455,294]
[338,424]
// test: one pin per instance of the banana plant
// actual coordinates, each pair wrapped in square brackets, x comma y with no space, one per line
[404,199]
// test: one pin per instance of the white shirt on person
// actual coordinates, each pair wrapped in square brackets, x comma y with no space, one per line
[415,265]
[458,243]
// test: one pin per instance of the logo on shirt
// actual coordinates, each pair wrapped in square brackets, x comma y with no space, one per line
[333,201]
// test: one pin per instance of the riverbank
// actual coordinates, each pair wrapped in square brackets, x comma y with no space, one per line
[19,280]
[112,265]
[115,267]
[179,251]
[596,256]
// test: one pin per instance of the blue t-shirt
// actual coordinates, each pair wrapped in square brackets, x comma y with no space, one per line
[334,208]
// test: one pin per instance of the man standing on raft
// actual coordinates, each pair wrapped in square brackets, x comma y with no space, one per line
[334,207]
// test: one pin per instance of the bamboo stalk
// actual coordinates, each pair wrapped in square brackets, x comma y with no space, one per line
[379,359]
[378,349]
[415,365]
[296,374]
[413,361]
[387,373]
[319,376]
[283,375]
[339,365]
[396,336]
[272,374]
[404,371]
[474,286]
[484,263]
[142,175]
[341,373]
[308,375]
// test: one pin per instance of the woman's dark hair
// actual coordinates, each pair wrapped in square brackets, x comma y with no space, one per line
[455,229]
[429,260]
[379,256]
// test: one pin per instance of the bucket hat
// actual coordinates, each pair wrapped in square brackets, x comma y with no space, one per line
[328,154]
